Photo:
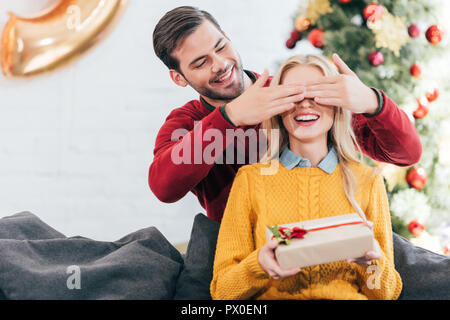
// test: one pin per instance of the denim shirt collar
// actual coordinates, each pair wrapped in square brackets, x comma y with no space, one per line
[291,160]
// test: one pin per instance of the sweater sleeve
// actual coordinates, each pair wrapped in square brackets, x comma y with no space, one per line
[380,280]
[178,164]
[390,136]
[237,273]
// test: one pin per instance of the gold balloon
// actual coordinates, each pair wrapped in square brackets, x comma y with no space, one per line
[56,36]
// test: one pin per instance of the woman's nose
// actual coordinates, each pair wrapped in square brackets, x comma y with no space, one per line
[306,103]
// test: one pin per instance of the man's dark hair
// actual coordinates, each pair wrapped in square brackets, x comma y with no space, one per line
[173,28]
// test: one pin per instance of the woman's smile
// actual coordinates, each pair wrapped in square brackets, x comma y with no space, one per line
[306,119]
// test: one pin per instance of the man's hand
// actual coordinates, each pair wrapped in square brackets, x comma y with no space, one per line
[344,90]
[259,103]
[267,261]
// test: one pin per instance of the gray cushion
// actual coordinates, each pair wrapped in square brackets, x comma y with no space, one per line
[194,280]
[425,274]
[26,226]
[142,265]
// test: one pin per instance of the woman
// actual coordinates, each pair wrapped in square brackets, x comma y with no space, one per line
[319,175]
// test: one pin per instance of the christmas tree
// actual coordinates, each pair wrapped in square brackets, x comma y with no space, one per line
[397,46]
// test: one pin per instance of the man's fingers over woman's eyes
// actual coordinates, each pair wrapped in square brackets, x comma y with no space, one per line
[328,87]
[329,101]
[263,79]
[292,99]
[280,109]
[322,94]
[284,91]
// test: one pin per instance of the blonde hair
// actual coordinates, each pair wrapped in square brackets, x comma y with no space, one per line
[341,135]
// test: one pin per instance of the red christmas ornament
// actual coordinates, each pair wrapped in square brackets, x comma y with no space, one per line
[373,12]
[297,36]
[345,1]
[290,43]
[417,178]
[376,58]
[416,227]
[316,36]
[434,34]
[413,31]
[432,94]
[420,113]
[422,109]
[415,70]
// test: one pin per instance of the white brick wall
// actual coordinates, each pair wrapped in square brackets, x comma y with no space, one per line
[76,144]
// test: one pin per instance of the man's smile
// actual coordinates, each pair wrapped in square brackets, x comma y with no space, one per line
[226,78]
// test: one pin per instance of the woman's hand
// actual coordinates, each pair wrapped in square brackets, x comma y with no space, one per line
[370,255]
[268,262]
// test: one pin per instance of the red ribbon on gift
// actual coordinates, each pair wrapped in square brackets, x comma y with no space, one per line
[299,233]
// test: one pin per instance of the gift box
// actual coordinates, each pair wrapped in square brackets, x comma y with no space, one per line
[314,242]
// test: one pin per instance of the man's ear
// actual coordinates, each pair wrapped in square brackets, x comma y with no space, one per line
[178,78]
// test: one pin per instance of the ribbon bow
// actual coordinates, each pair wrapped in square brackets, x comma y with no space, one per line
[284,234]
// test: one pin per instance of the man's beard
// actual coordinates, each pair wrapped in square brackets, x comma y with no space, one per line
[238,87]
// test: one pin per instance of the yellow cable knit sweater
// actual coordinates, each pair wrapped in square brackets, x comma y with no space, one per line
[257,201]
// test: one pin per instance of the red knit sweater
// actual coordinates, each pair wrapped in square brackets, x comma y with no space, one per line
[388,137]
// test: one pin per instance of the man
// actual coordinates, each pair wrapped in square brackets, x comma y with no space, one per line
[198,53]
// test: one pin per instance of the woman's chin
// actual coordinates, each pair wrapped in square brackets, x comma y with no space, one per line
[305,137]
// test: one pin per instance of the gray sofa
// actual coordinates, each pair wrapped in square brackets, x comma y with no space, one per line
[40,263]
